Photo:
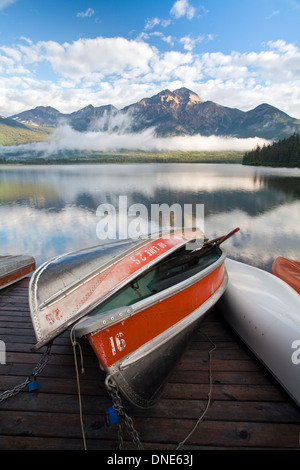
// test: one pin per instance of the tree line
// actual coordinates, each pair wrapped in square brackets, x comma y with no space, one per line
[282,153]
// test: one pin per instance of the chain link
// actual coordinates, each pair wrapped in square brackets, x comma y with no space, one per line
[38,368]
[123,416]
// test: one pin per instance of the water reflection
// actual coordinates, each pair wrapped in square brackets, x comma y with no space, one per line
[48,210]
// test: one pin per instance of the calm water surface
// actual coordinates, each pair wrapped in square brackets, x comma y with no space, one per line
[50,210]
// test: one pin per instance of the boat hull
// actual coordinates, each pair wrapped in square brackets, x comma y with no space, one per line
[141,379]
[265,313]
[15,268]
[140,351]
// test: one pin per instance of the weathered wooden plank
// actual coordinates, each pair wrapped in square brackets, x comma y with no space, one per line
[185,366]
[251,411]
[54,443]
[95,386]
[171,431]
[266,393]
[223,377]
[58,386]
[248,409]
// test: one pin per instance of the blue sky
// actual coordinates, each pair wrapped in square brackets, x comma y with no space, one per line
[68,54]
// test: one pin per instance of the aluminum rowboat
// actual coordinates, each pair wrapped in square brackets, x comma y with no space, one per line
[265,313]
[68,287]
[13,268]
[137,302]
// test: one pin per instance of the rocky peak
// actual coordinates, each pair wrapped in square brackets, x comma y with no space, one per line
[187,96]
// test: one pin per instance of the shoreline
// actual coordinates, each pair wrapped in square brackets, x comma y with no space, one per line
[128,157]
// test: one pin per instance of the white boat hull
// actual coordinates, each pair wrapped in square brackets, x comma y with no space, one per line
[265,312]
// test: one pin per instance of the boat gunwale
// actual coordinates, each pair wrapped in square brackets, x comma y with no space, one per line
[71,288]
[80,282]
[111,317]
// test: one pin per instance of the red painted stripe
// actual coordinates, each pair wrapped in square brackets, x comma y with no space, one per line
[16,275]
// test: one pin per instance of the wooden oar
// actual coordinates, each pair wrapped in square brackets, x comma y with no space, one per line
[219,240]
[193,256]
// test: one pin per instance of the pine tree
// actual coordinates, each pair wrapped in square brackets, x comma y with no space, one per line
[283,153]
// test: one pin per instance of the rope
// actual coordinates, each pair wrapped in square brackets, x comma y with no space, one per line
[74,344]
[208,402]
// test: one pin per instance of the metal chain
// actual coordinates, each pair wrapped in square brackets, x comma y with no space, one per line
[38,368]
[123,416]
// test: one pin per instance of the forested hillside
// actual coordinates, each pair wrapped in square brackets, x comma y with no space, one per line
[283,153]
[16,133]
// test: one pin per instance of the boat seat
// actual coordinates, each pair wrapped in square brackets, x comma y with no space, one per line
[179,273]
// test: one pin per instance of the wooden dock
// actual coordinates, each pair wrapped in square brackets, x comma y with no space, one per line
[248,409]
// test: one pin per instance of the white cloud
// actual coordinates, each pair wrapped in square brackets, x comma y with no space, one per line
[5,3]
[190,43]
[66,138]
[119,71]
[168,39]
[182,8]
[86,14]
[295,4]
[85,56]
[152,22]
[274,13]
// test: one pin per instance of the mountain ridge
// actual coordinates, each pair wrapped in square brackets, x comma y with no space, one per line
[178,112]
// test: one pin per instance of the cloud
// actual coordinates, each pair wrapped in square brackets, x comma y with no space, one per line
[295,4]
[182,8]
[152,22]
[119,71]
[86,14]
[168,39]
[274,13]
[190,43]
[65,138]
[5,3]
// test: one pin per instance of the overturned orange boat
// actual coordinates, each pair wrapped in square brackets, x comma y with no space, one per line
[136,301]
[288,270]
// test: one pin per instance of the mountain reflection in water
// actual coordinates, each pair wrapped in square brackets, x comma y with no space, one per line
[49,210]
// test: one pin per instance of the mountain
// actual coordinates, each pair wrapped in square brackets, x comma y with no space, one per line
[40,116]
[89,117]
[169,112]
[181,112]
[271,121]
[80,120]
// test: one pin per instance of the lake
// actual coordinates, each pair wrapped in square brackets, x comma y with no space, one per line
[47,210]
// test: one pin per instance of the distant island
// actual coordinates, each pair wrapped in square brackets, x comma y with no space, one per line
[283,153]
